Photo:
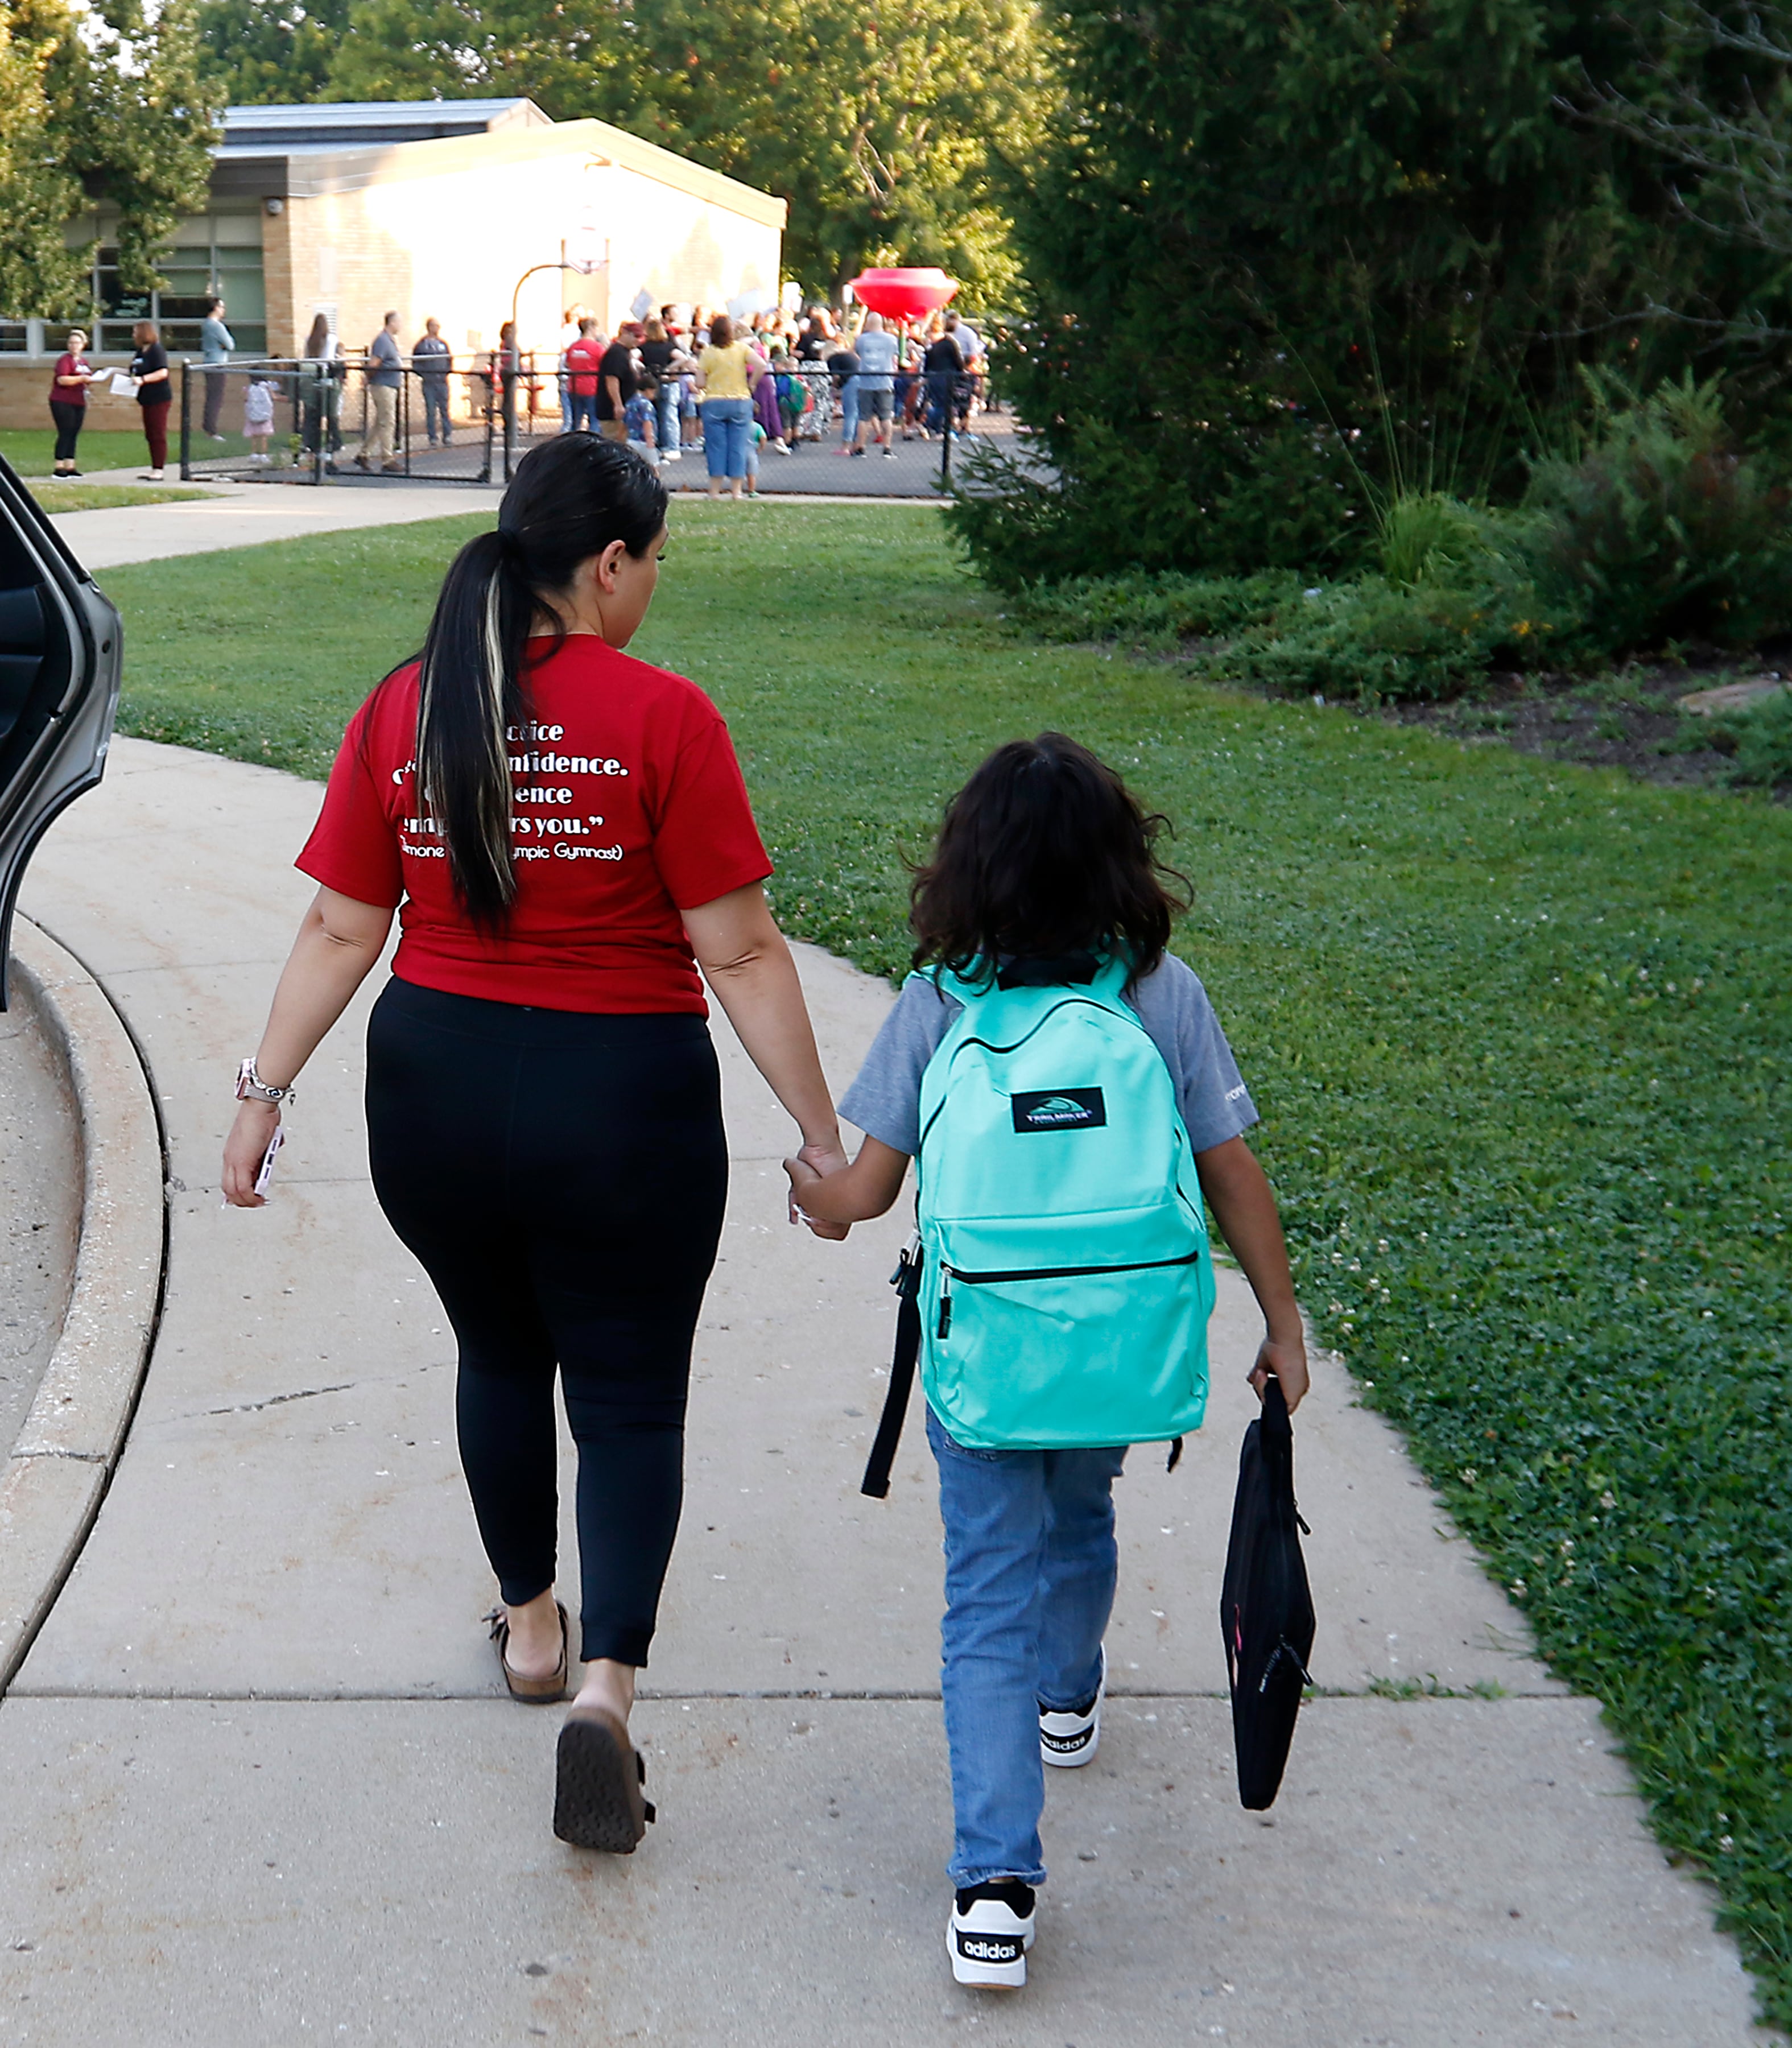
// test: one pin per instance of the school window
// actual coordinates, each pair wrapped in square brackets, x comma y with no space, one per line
[212,256]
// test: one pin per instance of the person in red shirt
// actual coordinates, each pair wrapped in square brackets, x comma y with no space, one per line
[69,399]
[583,358]
[565,834]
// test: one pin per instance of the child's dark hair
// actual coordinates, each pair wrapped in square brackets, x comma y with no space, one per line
[1044,852]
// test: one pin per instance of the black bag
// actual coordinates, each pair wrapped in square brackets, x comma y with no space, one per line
[1265,1609]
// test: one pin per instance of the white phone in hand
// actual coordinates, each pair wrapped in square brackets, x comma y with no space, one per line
[265,1173]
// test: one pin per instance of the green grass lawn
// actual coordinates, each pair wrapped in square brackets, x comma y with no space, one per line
[32,451]
[1518,1034]
[57,497]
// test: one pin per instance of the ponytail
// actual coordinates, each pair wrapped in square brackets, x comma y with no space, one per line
[571,498]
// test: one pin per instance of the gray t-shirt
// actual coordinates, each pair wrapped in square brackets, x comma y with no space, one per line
[885,1100]
[215,340]
[877,356]
[387,355]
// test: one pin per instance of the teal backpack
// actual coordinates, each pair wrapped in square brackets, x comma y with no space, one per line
[1060,1283]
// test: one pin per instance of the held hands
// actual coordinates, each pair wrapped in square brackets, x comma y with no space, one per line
[807,1170]
[1287,1359]
[244,1149]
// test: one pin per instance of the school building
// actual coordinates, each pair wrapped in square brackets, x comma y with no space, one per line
[429,208]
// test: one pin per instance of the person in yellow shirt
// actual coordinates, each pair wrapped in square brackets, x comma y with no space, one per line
[728,373]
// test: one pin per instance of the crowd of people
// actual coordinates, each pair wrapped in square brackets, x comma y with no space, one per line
[647,383]
[672,383]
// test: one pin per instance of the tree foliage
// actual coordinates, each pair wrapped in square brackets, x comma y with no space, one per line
[1289,258]
[270,52]
[1716,105]
[97,104]
[879,123]
[38,271]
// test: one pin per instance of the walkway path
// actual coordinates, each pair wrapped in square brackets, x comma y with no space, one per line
[236,515]
[261,1785]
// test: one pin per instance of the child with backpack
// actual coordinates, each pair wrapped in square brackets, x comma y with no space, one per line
[1068,1096]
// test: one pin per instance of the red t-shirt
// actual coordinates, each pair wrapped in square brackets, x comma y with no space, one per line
[68,394]
[582,360]
[629,807]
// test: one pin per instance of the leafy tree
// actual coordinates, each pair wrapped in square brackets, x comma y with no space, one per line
[1287,259]
[270,52]
[98,104]
[39,273]
[138,121]
[879,123]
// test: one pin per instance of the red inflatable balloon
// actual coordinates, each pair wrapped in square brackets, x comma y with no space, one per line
[907,294]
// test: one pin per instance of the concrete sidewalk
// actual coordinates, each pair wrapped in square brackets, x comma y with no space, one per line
[262,1785]
[240,515]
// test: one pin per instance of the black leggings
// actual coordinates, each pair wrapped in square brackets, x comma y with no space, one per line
[561,1177]
[69,422]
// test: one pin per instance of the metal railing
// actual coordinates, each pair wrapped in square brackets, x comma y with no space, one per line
[468,418]
[306,419]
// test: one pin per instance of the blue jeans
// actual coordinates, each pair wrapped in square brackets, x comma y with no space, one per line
[582,414]
[726,423]
[666,407]
[1030,1567]
[435,407]
[849,410]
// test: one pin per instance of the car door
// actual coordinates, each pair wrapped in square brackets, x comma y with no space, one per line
[60,653]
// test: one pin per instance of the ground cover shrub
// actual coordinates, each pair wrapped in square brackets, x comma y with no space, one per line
[1517,1031]
[1452,598]
[1760,741]
[1379,640]
[1154,611]
[1661,530]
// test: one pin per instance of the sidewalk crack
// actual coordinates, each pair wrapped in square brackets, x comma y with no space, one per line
[279,1400]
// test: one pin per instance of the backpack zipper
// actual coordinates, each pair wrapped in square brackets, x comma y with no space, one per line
[949,1273]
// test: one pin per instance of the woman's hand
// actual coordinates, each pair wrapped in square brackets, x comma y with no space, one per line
[250,1136]
[810,1167]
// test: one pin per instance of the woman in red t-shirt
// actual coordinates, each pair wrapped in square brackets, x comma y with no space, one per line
[69,399]
[568,836]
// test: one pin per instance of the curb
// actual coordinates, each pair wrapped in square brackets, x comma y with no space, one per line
[52,1483]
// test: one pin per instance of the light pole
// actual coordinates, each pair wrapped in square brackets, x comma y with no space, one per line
[506,398]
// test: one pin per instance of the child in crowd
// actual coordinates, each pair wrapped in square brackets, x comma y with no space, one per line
[1045,875]
[755,439]
[641,418]
[792,396]
[257,417]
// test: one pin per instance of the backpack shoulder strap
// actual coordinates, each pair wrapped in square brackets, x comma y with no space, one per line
[906,1281]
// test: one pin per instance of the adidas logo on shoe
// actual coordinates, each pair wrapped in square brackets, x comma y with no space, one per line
[990,1932]
[1070,1736]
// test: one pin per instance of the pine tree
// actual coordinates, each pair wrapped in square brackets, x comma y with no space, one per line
[1286,257]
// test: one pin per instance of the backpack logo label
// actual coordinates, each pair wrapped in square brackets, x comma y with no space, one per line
[1059,1109]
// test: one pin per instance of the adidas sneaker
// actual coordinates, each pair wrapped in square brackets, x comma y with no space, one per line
[990,1932]
[1070,1736]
